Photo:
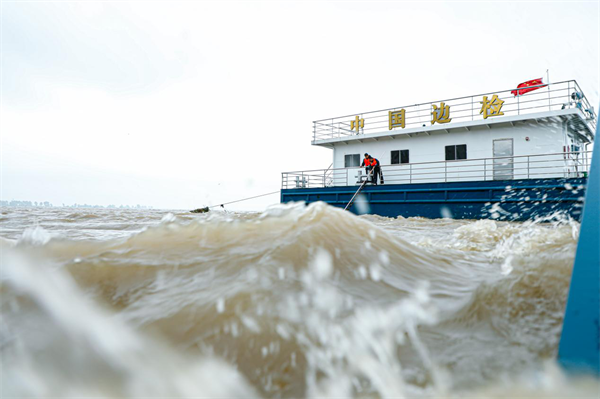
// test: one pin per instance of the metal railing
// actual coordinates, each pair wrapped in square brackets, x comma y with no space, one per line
[565,165]
[554,96]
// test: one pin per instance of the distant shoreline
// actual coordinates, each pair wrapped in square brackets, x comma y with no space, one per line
[46,204]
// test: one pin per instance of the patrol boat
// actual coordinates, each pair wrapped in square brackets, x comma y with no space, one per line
[516,154]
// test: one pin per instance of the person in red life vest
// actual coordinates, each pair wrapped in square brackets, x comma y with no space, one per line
[376,165]
[367,164]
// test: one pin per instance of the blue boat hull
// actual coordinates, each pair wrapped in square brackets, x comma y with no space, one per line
[514,200]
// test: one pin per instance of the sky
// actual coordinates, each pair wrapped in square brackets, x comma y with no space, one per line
[184,104]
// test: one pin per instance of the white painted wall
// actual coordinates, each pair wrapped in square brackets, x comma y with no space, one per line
[544,138]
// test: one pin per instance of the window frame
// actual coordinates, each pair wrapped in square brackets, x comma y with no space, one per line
[353,158]
[400,157]
[453,151]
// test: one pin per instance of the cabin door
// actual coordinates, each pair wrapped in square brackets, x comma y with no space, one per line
[503,161]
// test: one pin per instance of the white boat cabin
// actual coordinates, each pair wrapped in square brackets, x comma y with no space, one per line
[537,132]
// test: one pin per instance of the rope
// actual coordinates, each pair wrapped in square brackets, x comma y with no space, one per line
[244,199]
[359,190]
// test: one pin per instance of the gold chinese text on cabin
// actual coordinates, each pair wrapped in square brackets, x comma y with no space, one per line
[441,114]
[357,124]
[491,107]
[397,119]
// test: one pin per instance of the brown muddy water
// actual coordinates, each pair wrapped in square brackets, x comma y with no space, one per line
[297,301]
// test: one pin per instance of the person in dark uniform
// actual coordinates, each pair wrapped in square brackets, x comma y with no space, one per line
[376,165]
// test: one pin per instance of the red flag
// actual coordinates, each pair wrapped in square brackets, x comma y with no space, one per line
[528,87]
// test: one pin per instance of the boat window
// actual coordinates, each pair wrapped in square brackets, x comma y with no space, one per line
[454,152]
[351,160]
[399,156]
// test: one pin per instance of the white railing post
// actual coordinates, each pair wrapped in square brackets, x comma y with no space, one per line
[445,171]
[485,169]
[472,117]
[549,101]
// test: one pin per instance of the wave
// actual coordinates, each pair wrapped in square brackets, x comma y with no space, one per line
[300,300]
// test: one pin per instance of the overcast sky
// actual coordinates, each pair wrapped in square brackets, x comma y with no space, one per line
[185,104]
